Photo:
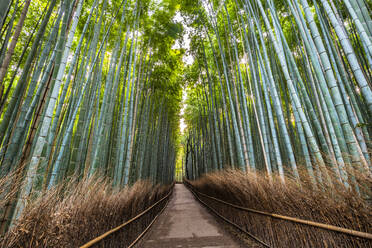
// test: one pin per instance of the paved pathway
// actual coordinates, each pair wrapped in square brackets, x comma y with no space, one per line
[185,223]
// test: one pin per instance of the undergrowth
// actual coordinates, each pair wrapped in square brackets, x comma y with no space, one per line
[74,214]
[334,206]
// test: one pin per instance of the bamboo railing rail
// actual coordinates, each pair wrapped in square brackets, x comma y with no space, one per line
[113,230]
[227,220]
[148,227]
[292,219]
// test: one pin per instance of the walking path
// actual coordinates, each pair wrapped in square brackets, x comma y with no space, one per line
[185,223]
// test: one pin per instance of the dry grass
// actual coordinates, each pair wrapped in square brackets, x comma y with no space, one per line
[8,187]
[338,207]
[72,215]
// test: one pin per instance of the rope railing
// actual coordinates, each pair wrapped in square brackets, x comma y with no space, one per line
[292,219]
[115,229]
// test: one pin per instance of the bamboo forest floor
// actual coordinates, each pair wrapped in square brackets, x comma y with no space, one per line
[185,223]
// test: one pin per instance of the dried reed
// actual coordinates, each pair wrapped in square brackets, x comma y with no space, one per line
[72,215]
[335,206]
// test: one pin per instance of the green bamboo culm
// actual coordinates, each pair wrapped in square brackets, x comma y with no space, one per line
[86,101]
[304,93]
[95,88]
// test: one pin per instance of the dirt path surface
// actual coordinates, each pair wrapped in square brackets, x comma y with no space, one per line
[185,223]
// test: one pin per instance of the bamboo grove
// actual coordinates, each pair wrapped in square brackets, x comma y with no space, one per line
[87,87]
[277,86]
